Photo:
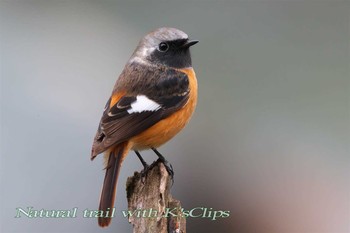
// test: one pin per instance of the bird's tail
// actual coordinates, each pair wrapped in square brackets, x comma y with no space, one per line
[115,159]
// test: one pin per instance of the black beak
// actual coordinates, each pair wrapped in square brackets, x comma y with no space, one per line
[189,43]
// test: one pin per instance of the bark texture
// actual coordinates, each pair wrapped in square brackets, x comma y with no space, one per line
[149,199]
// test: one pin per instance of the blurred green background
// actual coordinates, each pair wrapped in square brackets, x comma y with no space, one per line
[269,140]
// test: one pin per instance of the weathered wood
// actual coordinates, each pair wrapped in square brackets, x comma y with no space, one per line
[156,210]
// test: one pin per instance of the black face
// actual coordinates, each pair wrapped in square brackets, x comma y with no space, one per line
[174,53]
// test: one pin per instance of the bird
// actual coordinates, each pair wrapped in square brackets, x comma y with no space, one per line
[152,100]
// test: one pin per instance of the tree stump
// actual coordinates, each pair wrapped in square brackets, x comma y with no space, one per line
[149,200]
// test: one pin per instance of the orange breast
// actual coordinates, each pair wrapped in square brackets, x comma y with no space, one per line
[167,128]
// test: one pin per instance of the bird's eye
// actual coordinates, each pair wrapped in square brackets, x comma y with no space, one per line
[163,47]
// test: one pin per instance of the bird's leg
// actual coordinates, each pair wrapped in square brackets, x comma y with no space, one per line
[167,165]
[145,165]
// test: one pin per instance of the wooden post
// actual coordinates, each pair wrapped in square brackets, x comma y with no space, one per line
[156,210]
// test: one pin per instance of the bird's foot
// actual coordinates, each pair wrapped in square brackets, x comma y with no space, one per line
[167,165]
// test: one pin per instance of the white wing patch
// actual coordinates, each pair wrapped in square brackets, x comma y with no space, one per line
[143,104]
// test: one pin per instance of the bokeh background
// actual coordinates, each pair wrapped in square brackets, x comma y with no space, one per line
[269,140]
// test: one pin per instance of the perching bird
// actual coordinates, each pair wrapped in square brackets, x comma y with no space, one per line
[152,100]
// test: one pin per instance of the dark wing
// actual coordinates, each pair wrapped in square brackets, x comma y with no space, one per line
[121,121]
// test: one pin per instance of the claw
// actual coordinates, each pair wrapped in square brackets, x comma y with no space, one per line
[144,173]
[167,165]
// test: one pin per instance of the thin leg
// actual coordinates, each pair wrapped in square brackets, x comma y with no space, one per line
[145,165]
[167,165]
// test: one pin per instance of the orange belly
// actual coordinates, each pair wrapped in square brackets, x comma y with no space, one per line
[167,128]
